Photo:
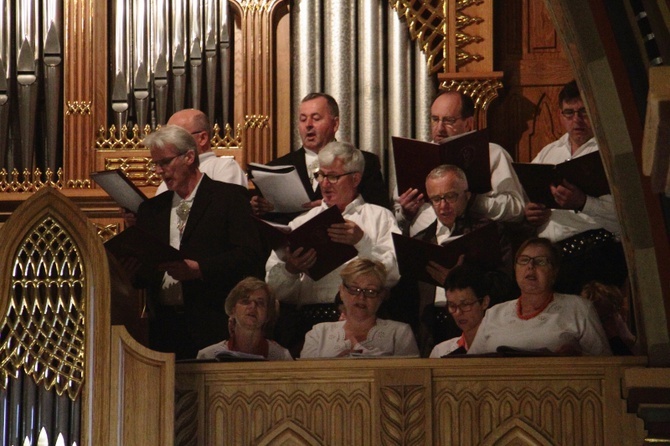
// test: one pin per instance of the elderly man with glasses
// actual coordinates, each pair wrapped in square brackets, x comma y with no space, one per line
[223,169]
[586,229]
[211,224]
[367,227]
[449,197]
[452,114]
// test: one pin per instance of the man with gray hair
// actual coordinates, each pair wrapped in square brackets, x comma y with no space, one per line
[367,227]
[449,197]
[318,122]
[211,224]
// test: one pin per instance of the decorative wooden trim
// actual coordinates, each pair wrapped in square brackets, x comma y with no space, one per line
[481,87]
[144,381]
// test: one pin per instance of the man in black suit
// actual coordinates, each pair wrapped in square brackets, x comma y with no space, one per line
[319,119]
[211,224]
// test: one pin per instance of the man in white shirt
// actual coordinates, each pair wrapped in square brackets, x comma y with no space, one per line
[587,228]
[217,168]
[367,227]
[451,114]
[318,122]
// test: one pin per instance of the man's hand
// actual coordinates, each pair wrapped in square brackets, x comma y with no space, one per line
[438,272]
[129,218]
[311,204]
[348,232]
[299,261]
[184,270]
[411,201]
[260,205]
[537,214]
[569,196]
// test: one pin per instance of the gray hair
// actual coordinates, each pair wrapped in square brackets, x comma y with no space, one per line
[174,137]
[444,169]
[351,157]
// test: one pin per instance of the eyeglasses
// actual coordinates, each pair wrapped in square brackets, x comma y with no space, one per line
[571,112]
[449,197]
[367,292]
[536,261]
[197,132]
[463,306]
[260,303]
[332,179]
[162,162]
[448,121]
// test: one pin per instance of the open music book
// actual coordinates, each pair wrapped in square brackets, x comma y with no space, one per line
[414,159]
[481,246]
[120,188]
[142,245]
[586,172]
[311,234]
[280,185]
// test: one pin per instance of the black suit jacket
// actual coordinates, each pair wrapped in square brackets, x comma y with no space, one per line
[221,236]
[372,187]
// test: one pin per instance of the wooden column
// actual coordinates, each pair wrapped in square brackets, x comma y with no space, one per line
[85,83]
[256,106]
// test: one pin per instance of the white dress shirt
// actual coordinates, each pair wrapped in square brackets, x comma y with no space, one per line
[598,212]
[504,202]
[218,168]
[377,224]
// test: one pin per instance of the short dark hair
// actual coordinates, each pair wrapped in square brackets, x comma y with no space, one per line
[468,276]
[467,104]
[569,92]
[333,108]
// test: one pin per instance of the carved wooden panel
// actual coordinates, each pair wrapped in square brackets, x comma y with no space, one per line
[467,401]
[528,51]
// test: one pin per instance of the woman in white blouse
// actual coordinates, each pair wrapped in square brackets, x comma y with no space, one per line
[252,308]
[540,319]
[361,332]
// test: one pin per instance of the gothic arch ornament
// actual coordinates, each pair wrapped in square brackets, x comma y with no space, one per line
[516,432]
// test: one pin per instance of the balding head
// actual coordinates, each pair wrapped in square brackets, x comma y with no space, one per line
[197,124]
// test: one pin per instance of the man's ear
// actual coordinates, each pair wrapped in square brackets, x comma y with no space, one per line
[358,176]
[336,126]
[190,156]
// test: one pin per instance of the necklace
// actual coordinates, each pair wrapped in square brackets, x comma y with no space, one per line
[525,317]
[183,210]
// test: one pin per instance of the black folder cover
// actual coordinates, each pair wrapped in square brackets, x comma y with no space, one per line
[120,188]
[142,245]
[313,234]
[481,245]
[585,172]
[415,159]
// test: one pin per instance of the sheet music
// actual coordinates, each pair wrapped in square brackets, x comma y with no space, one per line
[281,186]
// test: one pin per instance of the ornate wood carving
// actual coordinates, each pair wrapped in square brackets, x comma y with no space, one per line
[498,401]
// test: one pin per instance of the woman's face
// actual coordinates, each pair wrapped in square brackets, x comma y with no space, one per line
[538,274]
[353,293]
[465,308]
[251,312]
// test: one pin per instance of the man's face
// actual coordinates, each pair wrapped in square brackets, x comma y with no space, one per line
[449,197]
[577,125]
[342,192]
[446,119]
[316,125]
[172,167]
[186,120]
